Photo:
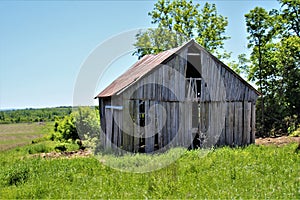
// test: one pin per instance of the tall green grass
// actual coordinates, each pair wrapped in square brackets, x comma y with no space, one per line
[251,172]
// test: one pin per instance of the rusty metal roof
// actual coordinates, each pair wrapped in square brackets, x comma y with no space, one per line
[136,72]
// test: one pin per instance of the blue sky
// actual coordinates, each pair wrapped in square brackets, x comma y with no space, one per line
[44,44]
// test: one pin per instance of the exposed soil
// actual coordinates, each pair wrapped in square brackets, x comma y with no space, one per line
[70,154]
[278,141]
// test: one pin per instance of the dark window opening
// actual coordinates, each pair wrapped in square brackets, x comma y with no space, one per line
[196,142]
[156,146]
[142,113]
[193,76]
[142,124]
[112,130]
[141,145]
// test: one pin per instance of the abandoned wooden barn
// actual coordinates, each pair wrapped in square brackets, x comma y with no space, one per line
[180,97]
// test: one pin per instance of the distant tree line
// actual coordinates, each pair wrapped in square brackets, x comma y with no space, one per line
[34,115]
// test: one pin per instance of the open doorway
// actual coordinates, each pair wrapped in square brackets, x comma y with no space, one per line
[193,91]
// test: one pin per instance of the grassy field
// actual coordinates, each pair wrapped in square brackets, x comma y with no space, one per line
[253,172]
[13,135]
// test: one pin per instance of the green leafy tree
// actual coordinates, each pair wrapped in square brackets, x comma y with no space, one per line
[179,21]
[290,14]
[275,68]
[157,40]
[240,67]
[258,22]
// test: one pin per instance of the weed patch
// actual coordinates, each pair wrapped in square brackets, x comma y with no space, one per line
[17,175]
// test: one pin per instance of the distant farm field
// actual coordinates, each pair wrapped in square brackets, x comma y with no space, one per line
[13,135]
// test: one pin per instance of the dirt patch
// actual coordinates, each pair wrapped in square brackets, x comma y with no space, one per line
[69,154]
[278,141]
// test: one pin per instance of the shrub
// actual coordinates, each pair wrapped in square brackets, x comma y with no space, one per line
[65,129]
[296,133]
[82,124]
[39,148]
[66,146]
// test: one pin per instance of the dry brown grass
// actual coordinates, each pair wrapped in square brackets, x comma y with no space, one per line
[13,135]
[278,141]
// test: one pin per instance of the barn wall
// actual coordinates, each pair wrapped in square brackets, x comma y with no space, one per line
[226,115]
[219,84]
[165,83]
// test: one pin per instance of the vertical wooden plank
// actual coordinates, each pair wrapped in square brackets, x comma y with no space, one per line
[149,86]
[253,121]
[174,118]
[164,138]
[210,82]
[213,123]
[160,125]
[190,124]
[228,83]
[137,132]
[171,124]
[241,90]
[227,131]
[108,118]
[217,82]
[149,135]
[165,92]
[159,83]
[120,144]
[154,84]
[127,122]
[176,79]
[221,124]
[240,123]
[186,127]
[181,123]
[230,117]
[169,128]
[182,70]
[204,117]
[210,124]
[147,146]
[176,123]
[246,124]
[102,122]
[172,79]
[115,128]
[236,124]
[139,89]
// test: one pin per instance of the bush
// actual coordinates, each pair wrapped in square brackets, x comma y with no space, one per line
[65,129]
[82,124]
[39,148]
[296,133]
[66,146]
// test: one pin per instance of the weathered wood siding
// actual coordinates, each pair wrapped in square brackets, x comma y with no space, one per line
[226,115]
